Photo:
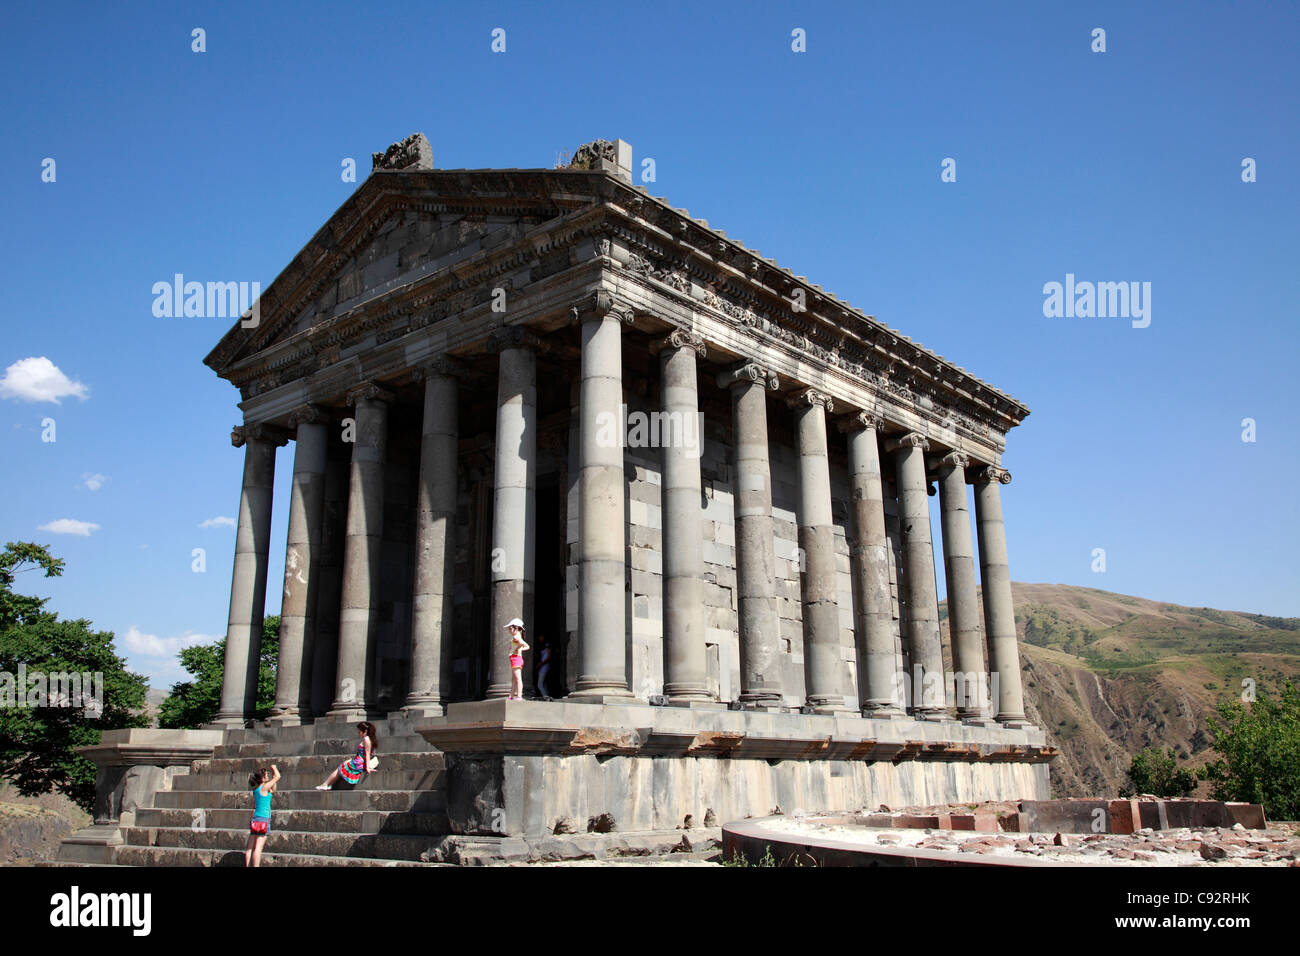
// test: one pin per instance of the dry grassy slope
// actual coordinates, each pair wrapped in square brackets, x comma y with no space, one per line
[1106,675]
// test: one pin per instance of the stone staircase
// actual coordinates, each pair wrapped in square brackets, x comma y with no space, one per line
[393,817]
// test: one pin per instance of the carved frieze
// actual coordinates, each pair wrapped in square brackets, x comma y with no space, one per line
[673,278]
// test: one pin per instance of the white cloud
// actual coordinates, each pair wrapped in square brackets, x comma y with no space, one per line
[150,645]
[162,675]
[39,380]
[94,482]
[69,526]
[218,522]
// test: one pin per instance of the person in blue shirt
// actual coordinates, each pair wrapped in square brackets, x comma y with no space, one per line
[262,782]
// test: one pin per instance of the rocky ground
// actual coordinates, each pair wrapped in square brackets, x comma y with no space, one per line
[31,827]
[1279,845]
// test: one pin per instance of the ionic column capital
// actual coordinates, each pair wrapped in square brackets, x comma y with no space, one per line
[682,339]
[308,415]
[909,440]
[598,306]
[259,431]
[860,421]
[808,397]
[747,373]
[992,473]
[443,365]
[516,337]
[952,459]
[369,391]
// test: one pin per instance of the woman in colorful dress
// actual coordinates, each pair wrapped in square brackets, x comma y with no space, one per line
[357,766]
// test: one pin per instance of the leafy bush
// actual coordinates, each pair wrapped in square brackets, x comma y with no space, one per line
[36,742]
[195,702]
[1157,772]
[1259,748]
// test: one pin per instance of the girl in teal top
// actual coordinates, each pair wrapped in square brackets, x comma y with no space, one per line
[263,783]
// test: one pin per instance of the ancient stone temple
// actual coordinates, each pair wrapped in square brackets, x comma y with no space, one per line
[701,481]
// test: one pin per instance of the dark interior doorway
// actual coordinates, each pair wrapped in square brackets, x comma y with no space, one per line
[548,606]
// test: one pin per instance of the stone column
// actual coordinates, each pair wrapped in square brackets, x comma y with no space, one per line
[685,670]
[361,549]
[435,541]
[248,580]
[929,698]
[821,615]
[963,602]
[302,568]
[999,614]
[878,667]
[514,502]
[760,675]
[602,517]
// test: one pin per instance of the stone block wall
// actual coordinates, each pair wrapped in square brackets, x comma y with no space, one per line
[528,795]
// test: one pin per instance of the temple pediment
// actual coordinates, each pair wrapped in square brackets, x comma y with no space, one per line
[398,228]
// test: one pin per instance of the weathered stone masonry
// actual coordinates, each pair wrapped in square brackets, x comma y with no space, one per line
[448,354]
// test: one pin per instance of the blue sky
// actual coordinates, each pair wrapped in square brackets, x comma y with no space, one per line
[1115,166]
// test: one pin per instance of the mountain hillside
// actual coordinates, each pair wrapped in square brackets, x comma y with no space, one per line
[1106,675]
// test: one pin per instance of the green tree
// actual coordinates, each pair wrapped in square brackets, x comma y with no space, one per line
[36,742]
[1259,750]
[195,702]
[1157,772]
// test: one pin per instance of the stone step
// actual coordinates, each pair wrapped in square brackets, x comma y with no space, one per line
[79,866]
[324,730]
[382,779]
[309,821]
[340,748]
[318,763]
[343,798]
[373,845]
[185,856]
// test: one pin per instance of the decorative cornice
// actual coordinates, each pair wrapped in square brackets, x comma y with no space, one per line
[308,415]
[746,373]
[369,391]
[259,432]
[909,440]
[808,397]
[682,339]
[860,421]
